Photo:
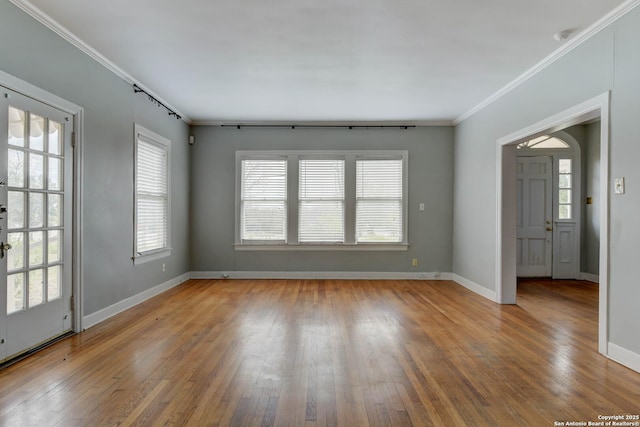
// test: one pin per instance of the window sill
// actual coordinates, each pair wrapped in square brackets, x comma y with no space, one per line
[323,247]
[144,258]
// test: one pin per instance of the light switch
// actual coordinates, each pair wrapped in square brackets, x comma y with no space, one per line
[618,185]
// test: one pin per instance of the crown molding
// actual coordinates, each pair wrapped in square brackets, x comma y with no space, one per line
[31,10]
[571,44]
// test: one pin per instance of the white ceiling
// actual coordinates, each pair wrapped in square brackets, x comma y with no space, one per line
[323,60]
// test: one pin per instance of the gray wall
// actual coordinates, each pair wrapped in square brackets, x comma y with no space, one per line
[33,53]
[608,61]
[213,195]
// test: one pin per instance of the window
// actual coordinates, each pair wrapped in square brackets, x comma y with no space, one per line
[379,201]
[544,142]
[321,200]
[264,200]
[564,189]
[151,231]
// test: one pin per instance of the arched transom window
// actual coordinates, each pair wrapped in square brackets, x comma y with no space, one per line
[544,142]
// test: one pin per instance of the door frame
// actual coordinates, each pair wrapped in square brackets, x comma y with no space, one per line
[506,282]
[27,89]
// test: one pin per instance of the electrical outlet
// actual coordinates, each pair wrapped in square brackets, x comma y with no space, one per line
[164,267]
[414,262]
[422,275]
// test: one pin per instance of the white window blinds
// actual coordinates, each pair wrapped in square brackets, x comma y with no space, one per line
[151,196]
[321,201]
[264,200]
[379,201]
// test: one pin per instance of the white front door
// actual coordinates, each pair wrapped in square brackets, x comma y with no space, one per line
[534,217]
[36,164]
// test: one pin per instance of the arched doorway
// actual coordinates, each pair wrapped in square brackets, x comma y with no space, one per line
[548,173]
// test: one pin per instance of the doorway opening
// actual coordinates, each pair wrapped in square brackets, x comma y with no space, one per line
[506,245]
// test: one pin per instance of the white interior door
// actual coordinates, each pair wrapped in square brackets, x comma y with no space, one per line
[36,165]
[534,217]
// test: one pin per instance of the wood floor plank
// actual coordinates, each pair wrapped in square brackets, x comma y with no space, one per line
[329,353]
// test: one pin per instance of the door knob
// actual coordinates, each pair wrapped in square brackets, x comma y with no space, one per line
[549,228]
[4,247]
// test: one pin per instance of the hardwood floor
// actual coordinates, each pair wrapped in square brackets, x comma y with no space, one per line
[329,352]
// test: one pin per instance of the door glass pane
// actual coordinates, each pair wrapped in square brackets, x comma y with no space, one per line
[36,210]
[54,213]
[16,127]
[36,247]
[55,137]
[565,165]
[54,178]
[54,245]
[54,290]
[15,256]
[16,168]
[15,292]
[564,188]
[36,171]
[564,211]
[15,208]
[36,288]
[36,134]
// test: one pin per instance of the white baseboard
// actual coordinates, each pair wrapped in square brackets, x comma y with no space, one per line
[101,315]
[348,275]
[625,357]
[474,287]
[589,277]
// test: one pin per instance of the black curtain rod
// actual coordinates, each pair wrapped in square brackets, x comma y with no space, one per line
[239,126]
[138,89]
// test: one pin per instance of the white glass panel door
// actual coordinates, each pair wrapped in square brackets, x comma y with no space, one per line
[35,220]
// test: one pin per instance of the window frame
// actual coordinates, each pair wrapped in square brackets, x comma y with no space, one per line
[342,200]
[365,199]
[286,203]
[349,156]
[149,137]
